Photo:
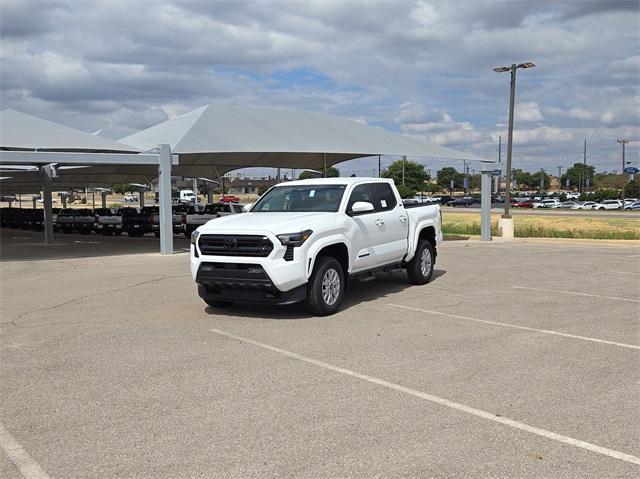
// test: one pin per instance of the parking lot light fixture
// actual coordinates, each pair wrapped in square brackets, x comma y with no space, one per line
[512,69]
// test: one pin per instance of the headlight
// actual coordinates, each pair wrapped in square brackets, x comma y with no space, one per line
[294,239]
[194,237]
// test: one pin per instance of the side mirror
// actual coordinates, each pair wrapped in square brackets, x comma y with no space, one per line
[247,207]
[361,207]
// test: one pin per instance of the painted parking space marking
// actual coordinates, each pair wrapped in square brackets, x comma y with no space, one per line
[577,293]
[516,326]
[438,400]
[20,458]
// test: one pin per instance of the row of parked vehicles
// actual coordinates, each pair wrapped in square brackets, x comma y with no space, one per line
[115,221]
[555,203]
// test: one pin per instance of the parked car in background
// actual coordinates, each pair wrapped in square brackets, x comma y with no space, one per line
[137,221]
[83,221]
[130,199]
[523,203]
[108,221]
[197,216]
[546,203]
[64,220]
[230,199]
[608,205]
[572,195]
[565,205]
[584,205]
[466,201]
[177,211]
[632,206]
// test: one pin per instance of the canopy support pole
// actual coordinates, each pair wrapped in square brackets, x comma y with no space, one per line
[164,200]
[47,201]
[485,205]
[104,198]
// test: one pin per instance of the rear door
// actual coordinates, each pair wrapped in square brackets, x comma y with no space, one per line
[392,221]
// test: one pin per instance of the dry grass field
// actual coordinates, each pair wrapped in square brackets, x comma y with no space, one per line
[546,226]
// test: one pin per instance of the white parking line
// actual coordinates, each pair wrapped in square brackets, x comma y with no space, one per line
[577,293]
[441,401]
[20,458]
[624,272]
[516,326]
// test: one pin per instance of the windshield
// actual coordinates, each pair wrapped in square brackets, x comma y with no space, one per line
[301,198]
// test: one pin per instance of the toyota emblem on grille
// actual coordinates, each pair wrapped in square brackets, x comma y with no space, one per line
[230,244]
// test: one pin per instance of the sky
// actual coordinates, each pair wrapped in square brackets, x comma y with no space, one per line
[419,67]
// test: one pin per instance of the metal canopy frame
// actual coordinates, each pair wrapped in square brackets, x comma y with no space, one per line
[48,161]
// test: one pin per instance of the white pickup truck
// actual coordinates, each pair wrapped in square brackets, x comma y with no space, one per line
[306,240]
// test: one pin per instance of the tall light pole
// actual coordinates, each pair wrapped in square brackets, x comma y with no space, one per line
[512,69]
[624,165]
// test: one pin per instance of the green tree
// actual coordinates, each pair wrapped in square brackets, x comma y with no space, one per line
[414,174]
[524,179]
[121,188]
[632,189]
[331,173]
[448,173]
[405,191]
[538,177]
[578,174]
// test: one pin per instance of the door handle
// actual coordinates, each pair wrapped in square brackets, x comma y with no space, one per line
[379,222]
[403,218]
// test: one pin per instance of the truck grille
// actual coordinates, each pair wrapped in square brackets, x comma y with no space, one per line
[235,245]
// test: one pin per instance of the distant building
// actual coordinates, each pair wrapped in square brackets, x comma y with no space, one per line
[248,187]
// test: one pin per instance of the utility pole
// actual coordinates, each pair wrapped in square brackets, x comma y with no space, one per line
[624,182]
[379,164]
[404,159]
[499,148]
[584,162]
[541,180]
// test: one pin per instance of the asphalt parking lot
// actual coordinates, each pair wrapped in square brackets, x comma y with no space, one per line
[517,360]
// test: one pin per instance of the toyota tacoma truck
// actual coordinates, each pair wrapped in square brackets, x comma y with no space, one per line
[308,240]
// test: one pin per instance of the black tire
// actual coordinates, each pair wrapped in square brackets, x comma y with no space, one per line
[118,232]
[417,274]
[66,231]
[132,233]
[156,234]
[218,304]
[186,234]
[327,270]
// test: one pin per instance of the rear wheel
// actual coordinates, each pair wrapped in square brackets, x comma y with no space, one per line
[326,288]
[420,268]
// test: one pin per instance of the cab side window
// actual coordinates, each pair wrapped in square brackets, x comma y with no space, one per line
[361,193]
[384,198]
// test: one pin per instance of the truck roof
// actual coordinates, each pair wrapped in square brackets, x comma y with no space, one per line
[334,181]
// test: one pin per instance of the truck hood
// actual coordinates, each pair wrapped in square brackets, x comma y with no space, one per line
[276,223]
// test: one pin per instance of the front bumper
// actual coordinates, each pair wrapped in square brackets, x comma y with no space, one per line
[284,274]
[242,282]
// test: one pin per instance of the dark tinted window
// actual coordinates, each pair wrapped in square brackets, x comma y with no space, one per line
[384,197]
[361,193]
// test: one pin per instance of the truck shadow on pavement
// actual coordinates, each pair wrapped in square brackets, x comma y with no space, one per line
[383,286]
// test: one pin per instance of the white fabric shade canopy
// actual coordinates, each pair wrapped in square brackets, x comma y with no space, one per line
[230,137]
[209,141]
[22,132]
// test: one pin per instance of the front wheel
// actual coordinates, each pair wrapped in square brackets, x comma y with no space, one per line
[420,268]
[326,287]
